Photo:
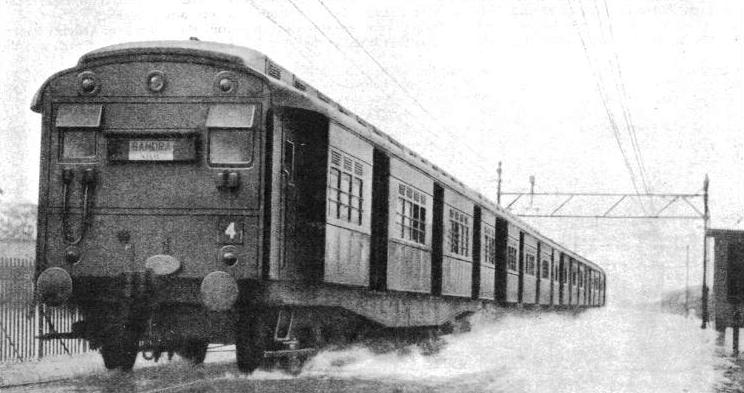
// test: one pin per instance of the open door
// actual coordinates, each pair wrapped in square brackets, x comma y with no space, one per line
[300,155]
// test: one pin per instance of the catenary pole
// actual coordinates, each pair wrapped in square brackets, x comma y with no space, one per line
[704,299]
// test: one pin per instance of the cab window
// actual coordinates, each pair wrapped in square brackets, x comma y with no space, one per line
[78,144]
[231,135]
[233,147]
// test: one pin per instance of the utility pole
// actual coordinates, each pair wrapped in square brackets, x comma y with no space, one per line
[532,189]
[706,217]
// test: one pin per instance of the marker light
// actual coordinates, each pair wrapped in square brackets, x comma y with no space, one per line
[156,81]
[88,83]
[226,85]
[226,82]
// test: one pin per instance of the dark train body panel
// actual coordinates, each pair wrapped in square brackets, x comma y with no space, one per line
[201,182]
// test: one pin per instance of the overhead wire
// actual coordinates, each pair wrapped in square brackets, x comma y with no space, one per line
[384,70]
[620,84]
[603,97]
[372,81]
[273,20]
[400,85]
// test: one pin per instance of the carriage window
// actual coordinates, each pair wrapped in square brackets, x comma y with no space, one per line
[345,190]
[230,147]
[411,214]
[529,267]
[511,258]
[289,157]
[545,269]
[574,275]
[459,233]
[489,245]
[77,144]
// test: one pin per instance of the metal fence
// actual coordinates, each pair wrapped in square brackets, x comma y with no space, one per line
[22,321]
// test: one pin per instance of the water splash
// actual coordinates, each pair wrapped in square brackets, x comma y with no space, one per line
[606,350]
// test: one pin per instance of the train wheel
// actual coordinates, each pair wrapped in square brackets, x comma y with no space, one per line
[253,336]
[194,351]
[120,352]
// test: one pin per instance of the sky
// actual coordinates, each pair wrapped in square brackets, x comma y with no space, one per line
[550,88]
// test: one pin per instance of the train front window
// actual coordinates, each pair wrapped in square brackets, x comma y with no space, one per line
[230,136]
[77,144]
[230,147]
[78,125]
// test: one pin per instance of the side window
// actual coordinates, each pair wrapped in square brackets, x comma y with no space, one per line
[489,245]
[511,258]
[345,188]
[333,178]
[289,159]
[410,218]
[529,267]
[574,275]
[545,269]
[459,233]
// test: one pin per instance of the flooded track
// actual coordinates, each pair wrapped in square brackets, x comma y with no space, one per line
[607,350]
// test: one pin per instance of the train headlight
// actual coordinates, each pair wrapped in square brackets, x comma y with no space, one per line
[54,286]
[162,265]
[156,81]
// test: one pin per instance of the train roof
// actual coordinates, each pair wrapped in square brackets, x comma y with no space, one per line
[297,93]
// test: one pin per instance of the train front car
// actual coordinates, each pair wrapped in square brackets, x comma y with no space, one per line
[150,195]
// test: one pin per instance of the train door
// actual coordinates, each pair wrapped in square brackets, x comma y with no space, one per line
[299,165]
